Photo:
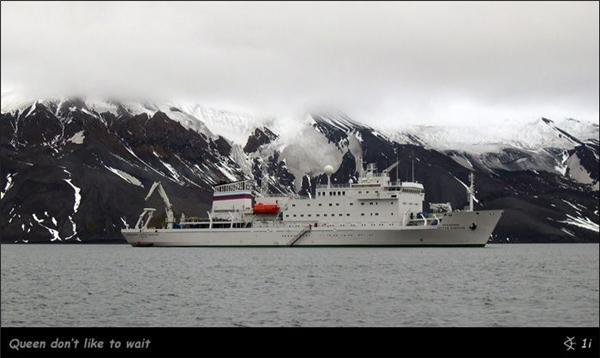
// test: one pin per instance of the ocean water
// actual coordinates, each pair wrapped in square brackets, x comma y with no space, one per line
[117,285]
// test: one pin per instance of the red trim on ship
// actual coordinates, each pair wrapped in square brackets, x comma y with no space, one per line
[232,197]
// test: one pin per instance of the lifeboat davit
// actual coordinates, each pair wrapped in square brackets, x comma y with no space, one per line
[266,209]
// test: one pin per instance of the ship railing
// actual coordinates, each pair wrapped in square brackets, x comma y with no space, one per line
[240,185]
[324,186]
[274,195]
[377,175]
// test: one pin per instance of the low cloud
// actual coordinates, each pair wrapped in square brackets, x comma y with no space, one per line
[386,64]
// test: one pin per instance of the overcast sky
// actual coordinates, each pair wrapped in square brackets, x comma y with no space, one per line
[387,64]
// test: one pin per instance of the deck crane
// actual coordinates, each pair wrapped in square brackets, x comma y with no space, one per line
[150,211]
[389,169]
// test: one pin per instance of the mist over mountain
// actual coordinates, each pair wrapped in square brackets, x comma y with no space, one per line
[77,170]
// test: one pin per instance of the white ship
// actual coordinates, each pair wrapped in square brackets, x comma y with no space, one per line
[372,212]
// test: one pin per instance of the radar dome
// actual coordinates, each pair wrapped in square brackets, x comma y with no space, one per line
[328,169]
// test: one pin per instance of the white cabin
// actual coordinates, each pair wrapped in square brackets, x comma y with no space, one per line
[373,199]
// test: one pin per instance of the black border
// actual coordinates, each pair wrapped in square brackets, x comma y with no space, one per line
[317,342]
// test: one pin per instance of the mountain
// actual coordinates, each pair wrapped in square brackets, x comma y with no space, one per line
[77,170]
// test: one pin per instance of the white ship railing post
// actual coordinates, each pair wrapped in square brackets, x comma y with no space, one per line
[209,220]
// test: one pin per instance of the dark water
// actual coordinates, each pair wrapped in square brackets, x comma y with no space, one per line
[500,285]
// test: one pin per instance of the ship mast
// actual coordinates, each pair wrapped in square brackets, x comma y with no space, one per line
[471,190]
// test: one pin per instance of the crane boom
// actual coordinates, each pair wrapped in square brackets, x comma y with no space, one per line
[165,198]
[388,169]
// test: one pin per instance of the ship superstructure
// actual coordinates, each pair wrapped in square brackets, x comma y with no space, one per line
[374,211]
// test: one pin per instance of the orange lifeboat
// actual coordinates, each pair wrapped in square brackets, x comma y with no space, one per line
[266,209]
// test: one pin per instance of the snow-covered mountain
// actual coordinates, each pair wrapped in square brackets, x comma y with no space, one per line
[78,169]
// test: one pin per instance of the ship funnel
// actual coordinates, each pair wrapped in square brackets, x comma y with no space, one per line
[328,171]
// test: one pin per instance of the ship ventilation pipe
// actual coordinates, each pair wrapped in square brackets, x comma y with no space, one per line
[328,171]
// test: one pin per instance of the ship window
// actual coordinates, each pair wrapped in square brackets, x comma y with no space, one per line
[318,215]
[320,204]
[371,214]
[360,192]
[294,215]
[324,214]
[308,204]
[370,203]
[340,214]
[351,204]
[376,191]
[362,203]
[339,193]
[287,215]
[337,204]
[329,193]
[348,214]
[367,192]
[391,203]
[330,204]
[376,214]
[362,214]
[301,215]
[293,204]
[308,215]
[343,193]
[333,193]
[394,196]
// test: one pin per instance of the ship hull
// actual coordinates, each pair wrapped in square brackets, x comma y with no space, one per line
[457,229]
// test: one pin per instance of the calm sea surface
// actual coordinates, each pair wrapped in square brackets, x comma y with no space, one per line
[117,285]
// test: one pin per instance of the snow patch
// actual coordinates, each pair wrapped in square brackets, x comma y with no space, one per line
[227,173]
[125,176]
[9,184]
[582,222]
[77,201]
[463,161]
[77,138]
[577,171]
[173,172]
[53,232]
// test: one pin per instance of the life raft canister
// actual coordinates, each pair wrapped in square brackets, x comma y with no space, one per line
[266,209]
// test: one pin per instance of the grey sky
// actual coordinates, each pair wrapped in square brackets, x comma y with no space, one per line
[387,64]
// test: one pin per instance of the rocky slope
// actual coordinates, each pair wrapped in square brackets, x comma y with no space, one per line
[78,170]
